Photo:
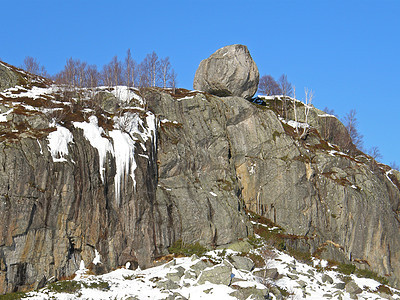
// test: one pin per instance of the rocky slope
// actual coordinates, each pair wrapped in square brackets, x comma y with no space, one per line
[252,271]
[125,174]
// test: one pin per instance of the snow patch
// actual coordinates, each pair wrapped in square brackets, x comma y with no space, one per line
[3,116]
[81,271]
[125,94]
[185,98]
[294,124]
[327,116]
[58,143]
[34,93]
[40,146]
[97,257]
[93,133]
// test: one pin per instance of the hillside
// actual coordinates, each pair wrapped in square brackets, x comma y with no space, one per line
[250,269]
[125,173]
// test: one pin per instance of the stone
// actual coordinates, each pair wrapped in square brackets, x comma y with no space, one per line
[249,293]
[200,266]
[175,296]
[194,257]
[219,274]
[170,264]
[276,292]
[176,275]
[271,273]
[292,276]
[339,286]
[326,278]
[190,274]
[302,283]
[167,284]
[8,78]
[230,71]
[352,288]
[242,263]
[107,101]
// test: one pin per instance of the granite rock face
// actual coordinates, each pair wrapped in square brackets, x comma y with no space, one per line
[230,71]
[77,182]
[7,77]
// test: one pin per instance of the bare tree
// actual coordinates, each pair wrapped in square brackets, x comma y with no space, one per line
[286,90]
[154,64]
[329,111]
[375,153]
[165,67]
[309,94]
[81,73]
[143,74]
[268,86]
[129,70]
[330,125]
[74,74]
[308,101]
[92,76]
[32,65]
[294,108]
[285,86]
[351,123]
[173,80]
[112,73]
[394,165]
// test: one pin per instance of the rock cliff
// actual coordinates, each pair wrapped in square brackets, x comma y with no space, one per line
[127,175]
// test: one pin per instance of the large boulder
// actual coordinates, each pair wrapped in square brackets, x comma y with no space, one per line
[230,71]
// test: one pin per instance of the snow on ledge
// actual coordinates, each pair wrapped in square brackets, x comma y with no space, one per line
[58,143]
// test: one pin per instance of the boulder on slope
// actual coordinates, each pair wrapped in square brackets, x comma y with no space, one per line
[230,71]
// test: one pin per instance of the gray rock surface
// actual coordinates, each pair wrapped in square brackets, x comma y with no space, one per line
[326,278]
[250,293]
[340,285]
[242,263]
[352,288]
[271,273]
[167,284]
[200,266]
[176,275]
[8,78]
[211,156]
[230,71]
[219,274]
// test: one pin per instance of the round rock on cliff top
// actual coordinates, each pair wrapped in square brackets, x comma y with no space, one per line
[230,71]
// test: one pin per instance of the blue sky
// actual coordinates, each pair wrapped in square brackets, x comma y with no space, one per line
[347,52]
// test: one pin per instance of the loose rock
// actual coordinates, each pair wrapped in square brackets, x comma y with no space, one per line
[230,71]
[243,263]
[218,275]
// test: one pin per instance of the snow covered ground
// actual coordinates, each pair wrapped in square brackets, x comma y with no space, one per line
[181,278]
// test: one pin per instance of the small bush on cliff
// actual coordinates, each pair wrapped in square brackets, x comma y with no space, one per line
[346,269]
[67,286]
[180,248]
[13,296]
[372,275]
